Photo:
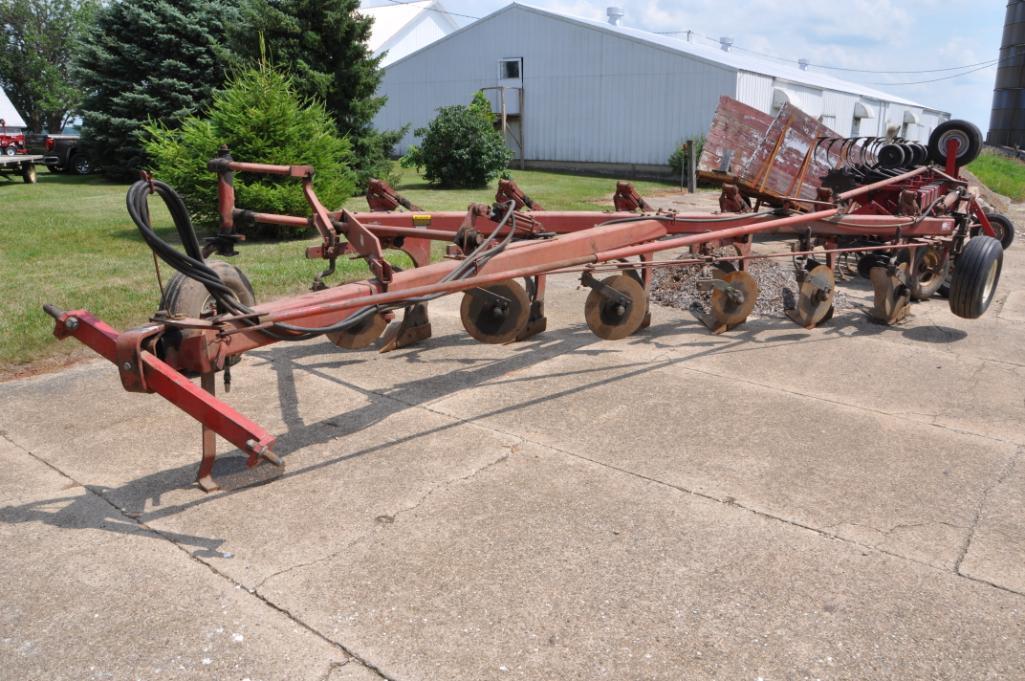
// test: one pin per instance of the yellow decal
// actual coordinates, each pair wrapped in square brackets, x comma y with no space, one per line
[421,220]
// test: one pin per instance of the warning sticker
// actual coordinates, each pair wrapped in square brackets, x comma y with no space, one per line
[421,220]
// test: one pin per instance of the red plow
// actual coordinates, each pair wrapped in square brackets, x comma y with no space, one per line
[901,209]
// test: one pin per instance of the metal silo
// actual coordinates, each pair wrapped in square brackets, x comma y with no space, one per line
[1007,123]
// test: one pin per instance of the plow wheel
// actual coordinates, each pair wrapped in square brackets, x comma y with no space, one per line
[892,294]
[495,313]
[616,307]
[931,268]
[361,335]
[815,299]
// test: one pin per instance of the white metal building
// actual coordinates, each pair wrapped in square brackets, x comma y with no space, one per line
[402,28]
[596,93]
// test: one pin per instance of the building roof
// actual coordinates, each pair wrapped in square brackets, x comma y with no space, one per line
[392,19]
[10,115]
[714,55]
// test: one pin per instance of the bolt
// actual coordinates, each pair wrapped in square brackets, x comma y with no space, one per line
[127,366]
[71,323]
[252,444]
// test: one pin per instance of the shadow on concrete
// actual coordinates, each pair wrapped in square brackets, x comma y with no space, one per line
[140,499]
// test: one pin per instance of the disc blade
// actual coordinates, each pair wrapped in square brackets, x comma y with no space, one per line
[495,320]
[361,335]
[610,320]
[725,310]
[816,297]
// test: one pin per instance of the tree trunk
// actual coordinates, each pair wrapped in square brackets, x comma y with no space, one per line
[55,122]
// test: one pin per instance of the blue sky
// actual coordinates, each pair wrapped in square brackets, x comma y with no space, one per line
[881,35]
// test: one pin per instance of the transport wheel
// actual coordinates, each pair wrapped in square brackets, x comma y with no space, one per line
[609,318]
[1003,227]
[361,335]
[189,298]
[932,268]
[976,275]
[733,310]
[10,151]
[969,142]
[28,173]
[495,313]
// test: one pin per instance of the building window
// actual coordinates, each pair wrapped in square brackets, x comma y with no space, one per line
[509,69]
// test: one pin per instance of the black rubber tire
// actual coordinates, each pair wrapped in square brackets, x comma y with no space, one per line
[870,260]
[188,298]
[969,136]
[976,275]
[81,165]
[1004,228]
[28,173]
[892,156]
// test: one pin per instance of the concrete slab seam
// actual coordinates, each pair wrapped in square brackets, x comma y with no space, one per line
[270,604]
[423,498]
[977,516]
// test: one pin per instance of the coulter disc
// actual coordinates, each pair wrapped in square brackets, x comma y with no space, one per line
[730,312]
[815,301]
[892,295]
[611,319]
[361,335]
[495,313]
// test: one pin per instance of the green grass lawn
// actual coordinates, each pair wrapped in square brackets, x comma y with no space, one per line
[1001,174]
[69,241]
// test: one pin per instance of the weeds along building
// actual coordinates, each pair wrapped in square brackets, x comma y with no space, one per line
[584,94]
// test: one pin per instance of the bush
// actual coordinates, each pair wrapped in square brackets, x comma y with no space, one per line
[262,120]
[461,147]
[679,157]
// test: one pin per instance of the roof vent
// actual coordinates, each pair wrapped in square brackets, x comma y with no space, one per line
[725,43]
[615,15]
[803,63]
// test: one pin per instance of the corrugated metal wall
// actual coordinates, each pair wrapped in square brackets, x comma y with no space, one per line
[426,28]
[589,96]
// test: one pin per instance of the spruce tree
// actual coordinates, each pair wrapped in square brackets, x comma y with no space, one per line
[323,44]
[146,60]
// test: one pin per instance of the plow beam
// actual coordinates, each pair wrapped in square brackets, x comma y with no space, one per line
[159,377]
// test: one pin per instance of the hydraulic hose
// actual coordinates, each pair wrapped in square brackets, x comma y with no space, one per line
[192,264]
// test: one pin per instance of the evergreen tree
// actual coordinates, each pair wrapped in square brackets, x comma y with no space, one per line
[147,60]
[260,117]
[323,44]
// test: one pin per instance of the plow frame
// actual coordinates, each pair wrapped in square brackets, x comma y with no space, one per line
[159,358]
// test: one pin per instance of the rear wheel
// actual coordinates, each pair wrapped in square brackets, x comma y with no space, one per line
[28,173]
[81,164]
[1003,228]
[187,297]
[976,275]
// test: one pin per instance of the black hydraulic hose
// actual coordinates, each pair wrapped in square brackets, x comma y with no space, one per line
[192,264]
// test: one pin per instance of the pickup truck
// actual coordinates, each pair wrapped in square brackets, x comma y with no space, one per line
[60,153]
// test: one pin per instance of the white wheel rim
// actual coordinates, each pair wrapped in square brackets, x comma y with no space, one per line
[962,142]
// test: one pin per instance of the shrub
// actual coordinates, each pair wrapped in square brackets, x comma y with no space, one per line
[460,147]
[679,157]
[262,120]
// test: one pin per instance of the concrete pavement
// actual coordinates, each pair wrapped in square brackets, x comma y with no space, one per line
[774,503]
